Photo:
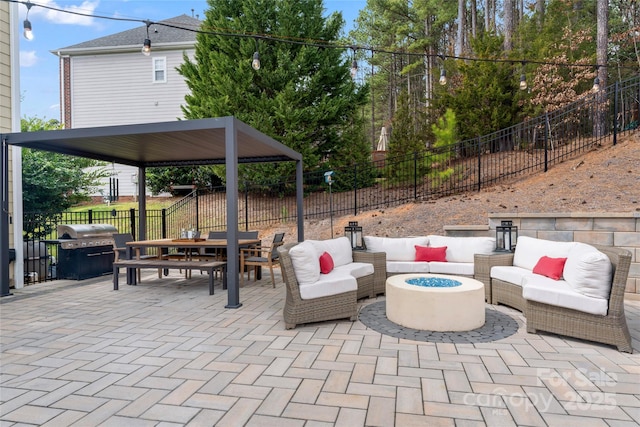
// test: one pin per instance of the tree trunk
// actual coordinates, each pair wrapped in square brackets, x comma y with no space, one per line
[428,63]
[474,18]
[601,59]
[461,27]
[487,15]
[490,11]
[540,12]
[520,10]
[602,40]
[508,24]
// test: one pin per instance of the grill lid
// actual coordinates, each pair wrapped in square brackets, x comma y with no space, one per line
[83,231]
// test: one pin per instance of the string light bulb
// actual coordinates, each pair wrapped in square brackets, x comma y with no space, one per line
[596,85]
[523,82]
[443,77]
[354,69]
[523,78]
[28,32]
[146,46]
[255,63]
[354,64]
[443,74]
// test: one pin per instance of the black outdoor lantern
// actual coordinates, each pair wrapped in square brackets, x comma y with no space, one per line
[354,233]
[506,236]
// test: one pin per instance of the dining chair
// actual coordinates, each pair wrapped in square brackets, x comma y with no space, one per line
[187,254]
[247,234]
[259,256]
[217,254]
[120,249]
[221,254]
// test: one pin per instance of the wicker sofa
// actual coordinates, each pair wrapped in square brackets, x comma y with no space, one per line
[588,301]
[401,254]
[315,297]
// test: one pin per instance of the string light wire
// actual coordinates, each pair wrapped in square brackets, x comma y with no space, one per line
[311,43]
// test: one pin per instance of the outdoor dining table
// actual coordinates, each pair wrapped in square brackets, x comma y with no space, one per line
[163,245]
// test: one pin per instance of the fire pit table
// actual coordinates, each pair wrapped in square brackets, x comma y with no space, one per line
[435,302]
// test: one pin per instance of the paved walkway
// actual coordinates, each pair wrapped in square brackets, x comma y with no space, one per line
[166,353]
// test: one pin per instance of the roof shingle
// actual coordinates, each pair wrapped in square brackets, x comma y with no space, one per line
[158,34]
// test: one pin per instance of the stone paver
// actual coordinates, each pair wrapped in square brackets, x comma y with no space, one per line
[166,353]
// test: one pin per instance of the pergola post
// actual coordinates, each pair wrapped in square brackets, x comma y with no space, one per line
[4,220]
[300,200]
[142,203]
[231,163]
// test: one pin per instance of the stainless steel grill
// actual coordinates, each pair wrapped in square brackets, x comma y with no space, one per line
[85,250]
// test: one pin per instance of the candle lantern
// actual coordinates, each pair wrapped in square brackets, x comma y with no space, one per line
[506,236]
[354,233]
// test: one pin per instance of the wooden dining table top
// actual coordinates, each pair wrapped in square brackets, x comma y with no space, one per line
[189,243]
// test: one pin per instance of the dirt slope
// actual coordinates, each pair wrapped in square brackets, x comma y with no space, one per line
[606,179]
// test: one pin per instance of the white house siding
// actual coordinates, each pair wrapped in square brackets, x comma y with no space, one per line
[5,69]
[118,89]
[5,101]
[10,122]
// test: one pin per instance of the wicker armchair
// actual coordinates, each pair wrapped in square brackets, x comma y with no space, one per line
[610,329]
[297,311]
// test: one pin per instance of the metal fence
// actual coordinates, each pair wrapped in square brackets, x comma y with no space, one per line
[526,148]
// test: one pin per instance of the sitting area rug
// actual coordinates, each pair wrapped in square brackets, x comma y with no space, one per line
[497,326]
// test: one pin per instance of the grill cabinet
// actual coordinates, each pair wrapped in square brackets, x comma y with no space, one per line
[85,250]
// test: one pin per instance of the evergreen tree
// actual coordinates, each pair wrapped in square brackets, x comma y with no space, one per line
[444,131]
[302,95]
[483,94]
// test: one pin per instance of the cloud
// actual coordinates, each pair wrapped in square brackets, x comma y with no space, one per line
[66,15]
[28,58]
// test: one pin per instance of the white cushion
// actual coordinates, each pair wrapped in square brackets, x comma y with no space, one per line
[339,249]
[455,268]
[462,249]
[401,267]
[355,269]
[529,250]
[509,274]
[306,263]
[588,271]
[560,294]
[396,248]
[329,284]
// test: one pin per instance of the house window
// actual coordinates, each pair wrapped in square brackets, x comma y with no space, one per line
[159,70]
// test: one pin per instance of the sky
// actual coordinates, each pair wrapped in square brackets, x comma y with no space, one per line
[39,68]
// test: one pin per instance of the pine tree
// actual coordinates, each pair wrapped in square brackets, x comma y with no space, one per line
[302,95]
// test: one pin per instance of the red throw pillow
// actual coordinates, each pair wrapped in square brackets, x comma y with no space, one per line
[428,253]
[550,267]
[326,263]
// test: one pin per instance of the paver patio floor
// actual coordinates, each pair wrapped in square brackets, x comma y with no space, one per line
[166,353]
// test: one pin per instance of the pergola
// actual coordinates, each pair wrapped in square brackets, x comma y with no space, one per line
[223,140]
